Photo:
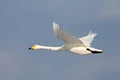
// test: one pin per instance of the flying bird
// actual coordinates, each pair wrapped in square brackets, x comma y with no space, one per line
[72,44]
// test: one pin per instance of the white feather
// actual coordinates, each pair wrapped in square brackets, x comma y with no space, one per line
[87,40]
[72,43]
[65,36]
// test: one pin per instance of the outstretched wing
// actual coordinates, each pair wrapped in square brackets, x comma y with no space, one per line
[87,40]
[65,36]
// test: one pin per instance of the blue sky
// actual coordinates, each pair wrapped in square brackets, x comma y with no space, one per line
[27,22]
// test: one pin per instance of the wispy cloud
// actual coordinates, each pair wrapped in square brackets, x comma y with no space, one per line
[109,8]
[8,66]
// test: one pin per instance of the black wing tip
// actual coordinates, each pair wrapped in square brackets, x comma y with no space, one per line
[94,52]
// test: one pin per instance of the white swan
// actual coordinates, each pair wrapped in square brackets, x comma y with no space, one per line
[73,44]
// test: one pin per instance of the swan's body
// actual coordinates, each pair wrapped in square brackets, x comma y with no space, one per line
[73,44]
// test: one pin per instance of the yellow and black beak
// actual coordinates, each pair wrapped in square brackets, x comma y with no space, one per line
[32,48]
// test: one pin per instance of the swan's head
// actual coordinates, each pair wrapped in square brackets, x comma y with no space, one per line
[34,47]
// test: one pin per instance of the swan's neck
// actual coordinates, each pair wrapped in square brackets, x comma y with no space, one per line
[49,48]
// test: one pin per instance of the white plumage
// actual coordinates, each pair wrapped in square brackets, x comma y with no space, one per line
[71,43]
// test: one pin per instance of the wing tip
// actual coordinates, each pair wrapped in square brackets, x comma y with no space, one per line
[54,23]
[92,33]
[55,26]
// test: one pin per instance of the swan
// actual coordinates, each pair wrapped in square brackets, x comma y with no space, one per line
[72,44]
